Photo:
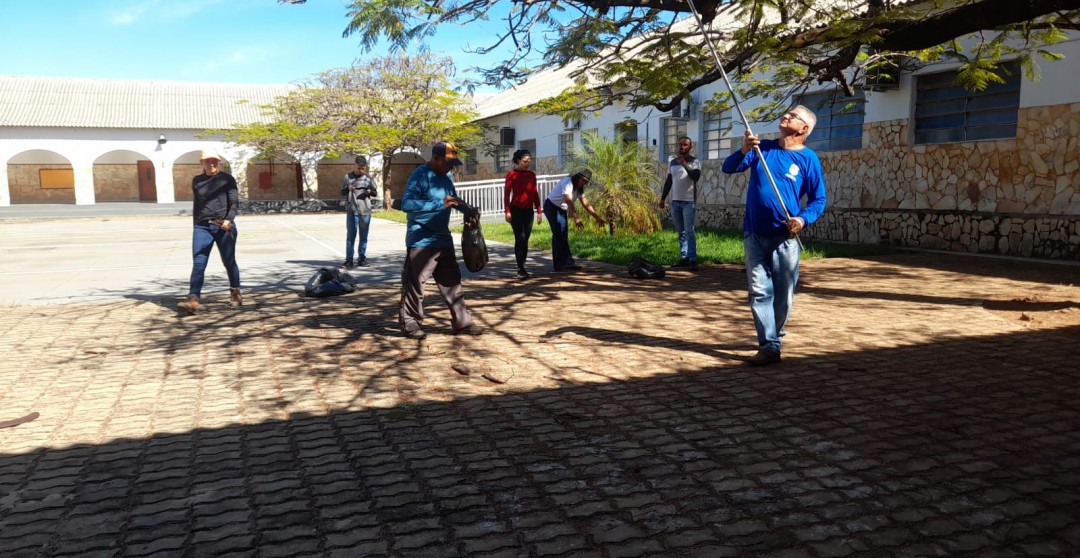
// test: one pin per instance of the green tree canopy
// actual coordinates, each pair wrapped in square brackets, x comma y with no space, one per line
[650,53]
[382,105]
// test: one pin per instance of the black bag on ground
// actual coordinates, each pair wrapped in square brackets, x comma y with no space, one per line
[473,248]
[329,282]
[641,268]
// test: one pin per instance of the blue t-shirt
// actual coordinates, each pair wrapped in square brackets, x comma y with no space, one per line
[428,220]
[797,173]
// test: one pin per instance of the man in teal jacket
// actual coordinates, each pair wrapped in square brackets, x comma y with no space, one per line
[428,197]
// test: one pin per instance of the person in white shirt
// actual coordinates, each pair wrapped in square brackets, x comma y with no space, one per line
[559,210]
[683,174]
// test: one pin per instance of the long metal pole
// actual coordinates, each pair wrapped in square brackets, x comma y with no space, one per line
[742,115]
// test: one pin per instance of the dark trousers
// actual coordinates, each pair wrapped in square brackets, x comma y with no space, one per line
[440,264]
[521,220]
[560,235]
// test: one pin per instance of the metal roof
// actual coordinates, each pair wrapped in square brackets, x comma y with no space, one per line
[30,101]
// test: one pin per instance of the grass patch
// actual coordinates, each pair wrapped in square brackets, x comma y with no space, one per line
[713,245]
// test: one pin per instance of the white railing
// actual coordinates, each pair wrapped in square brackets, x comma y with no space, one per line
[488,194]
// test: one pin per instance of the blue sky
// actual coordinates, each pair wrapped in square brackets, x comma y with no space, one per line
[247,41]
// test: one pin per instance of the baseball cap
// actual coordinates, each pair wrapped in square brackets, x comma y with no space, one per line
[448,151]
[209,154]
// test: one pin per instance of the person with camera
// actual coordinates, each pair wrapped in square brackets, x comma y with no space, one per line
[359,189]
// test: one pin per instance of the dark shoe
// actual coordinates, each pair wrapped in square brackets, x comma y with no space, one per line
[348,264]
[470,330]
[190,304]
[522,274]
[693,265]
[235,298]
[681,263]
[763,358]
[362,263]
[415,334]
[574,267]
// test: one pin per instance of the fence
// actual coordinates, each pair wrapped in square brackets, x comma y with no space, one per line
[487,195]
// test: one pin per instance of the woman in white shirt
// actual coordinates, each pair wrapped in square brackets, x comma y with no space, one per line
[559,210]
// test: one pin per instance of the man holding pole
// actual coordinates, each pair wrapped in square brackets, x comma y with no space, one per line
[771,249]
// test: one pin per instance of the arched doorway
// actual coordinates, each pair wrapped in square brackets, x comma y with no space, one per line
[185,169]
[124,176]
[41,176]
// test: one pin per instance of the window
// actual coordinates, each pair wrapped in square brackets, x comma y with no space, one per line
[839,120]
[626,131]
[566,148]
[673,130]
[528,145]
[716,140]
[502,158]
[946,112]
[470,161]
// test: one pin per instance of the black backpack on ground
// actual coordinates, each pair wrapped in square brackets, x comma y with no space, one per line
[641,268]
[329,282]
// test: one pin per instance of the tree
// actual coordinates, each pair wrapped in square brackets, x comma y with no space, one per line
[382,105]
[624,182]
[649,53]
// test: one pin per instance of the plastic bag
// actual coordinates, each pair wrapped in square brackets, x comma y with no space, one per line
[473,248]
[329,282]
[641,268]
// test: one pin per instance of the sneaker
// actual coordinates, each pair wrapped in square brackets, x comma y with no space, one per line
[190,304]
[235,298]
[348,264]
[363,262]
[693,265]
[415,334]
[763,358]
[681,263]
[522,274]
[470,330]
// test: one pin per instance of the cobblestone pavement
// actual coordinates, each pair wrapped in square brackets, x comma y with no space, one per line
[905,420]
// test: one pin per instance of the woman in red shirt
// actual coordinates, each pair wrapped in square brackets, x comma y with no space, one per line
[522,201]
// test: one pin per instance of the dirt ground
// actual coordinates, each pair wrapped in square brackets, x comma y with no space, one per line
[1037,311]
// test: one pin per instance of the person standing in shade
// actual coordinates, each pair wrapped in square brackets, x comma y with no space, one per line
[771,251]
[559,210]
[214,213]
[429,195]
[359,189]
[522,201]
[683,174]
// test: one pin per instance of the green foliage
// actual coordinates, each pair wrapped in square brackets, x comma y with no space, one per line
[624,182]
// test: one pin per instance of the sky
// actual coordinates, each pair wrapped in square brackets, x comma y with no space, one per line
[237,41]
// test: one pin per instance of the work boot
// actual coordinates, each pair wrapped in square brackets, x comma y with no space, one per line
[235,298]
[190,304]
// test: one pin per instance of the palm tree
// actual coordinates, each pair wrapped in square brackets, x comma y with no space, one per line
[625,181]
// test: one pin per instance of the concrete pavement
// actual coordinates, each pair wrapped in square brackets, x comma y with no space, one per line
[905,420]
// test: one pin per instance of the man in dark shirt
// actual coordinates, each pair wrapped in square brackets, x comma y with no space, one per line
[216,202]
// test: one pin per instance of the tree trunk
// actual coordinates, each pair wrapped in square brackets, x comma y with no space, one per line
[388,158]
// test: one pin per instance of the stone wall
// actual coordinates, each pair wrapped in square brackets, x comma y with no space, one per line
[116,183]
[1017,197]
[24,183]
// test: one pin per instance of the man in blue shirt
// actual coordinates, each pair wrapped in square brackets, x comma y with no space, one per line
[771,251]
[427,200]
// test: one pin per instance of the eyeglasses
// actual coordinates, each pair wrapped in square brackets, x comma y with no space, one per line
[794,114]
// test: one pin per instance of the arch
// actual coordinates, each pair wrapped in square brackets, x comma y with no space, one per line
[185,168]
[124,176]
[28,184]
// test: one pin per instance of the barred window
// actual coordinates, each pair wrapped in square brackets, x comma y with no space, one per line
[566,148]
[673,130]
[716,139]
[946,112]
[839,120]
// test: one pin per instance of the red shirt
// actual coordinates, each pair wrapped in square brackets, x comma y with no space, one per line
[521,191]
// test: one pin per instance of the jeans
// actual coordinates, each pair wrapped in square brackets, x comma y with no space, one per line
[356,224]
[203,239]
[560,235]
[684,215]
[772,270]
[521,220]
